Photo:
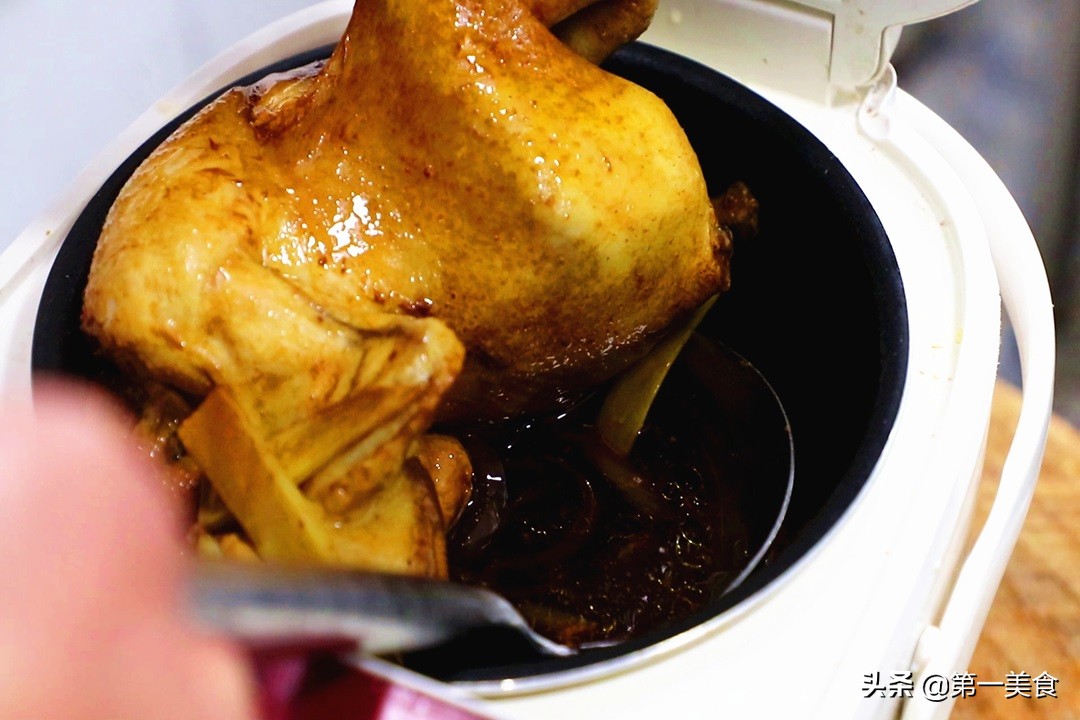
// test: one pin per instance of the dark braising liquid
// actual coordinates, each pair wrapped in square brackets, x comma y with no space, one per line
[592,548]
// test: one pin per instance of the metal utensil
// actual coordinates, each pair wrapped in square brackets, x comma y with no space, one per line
[265,606]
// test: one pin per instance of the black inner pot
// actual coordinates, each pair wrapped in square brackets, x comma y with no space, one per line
[817,305]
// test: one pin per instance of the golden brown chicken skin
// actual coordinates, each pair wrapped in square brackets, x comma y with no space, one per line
[454,216]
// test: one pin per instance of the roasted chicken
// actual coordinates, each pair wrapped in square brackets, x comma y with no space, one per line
[456,215]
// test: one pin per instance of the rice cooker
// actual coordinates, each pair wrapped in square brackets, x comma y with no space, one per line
[872,302]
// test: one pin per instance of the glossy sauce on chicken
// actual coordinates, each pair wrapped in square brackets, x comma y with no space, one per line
[456,216]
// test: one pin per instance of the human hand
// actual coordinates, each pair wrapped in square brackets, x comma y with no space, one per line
[91,610]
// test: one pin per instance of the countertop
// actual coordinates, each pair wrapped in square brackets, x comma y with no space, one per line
[1034,623]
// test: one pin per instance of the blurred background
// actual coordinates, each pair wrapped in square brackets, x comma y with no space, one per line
[1005,73]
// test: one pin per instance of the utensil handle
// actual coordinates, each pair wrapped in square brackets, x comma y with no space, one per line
[319,607]
[947,648]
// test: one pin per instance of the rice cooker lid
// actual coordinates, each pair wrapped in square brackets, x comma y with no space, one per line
[823,50]
[865,33]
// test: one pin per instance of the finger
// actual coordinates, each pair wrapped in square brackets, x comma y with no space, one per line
[89,608]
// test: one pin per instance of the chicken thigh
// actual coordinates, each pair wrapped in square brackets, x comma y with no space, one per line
[454,216]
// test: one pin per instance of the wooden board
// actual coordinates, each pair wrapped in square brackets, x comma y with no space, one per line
[1034,623]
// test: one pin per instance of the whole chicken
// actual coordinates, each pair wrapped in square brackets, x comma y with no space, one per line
[456,215]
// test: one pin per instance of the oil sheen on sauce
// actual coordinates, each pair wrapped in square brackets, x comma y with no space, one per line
[594,549]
